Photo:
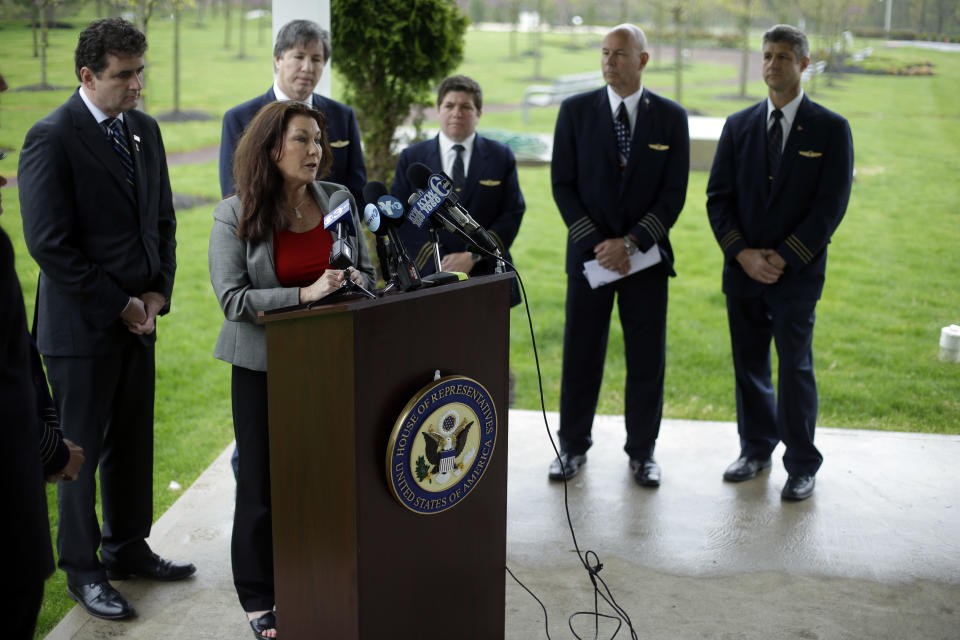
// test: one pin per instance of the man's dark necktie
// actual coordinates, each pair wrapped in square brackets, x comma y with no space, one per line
[774,143]
[459,176]
[621,125]
[114,130]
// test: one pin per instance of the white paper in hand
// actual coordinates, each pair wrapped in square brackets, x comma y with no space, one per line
[597,276]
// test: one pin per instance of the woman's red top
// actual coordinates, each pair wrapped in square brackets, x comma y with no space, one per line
[301,258]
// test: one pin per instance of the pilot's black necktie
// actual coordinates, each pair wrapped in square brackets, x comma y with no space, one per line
[459,176]
[621,125]
[774,143]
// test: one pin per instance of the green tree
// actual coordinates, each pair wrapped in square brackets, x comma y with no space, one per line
[679,25]
[390,54]
[178,7]
[514,12]
[226,30]
[536,41]
[45,18]
[43,9]
[743,12]
[144,10]
[242,49]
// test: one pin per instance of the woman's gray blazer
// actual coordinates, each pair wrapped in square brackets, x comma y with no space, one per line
[244,277]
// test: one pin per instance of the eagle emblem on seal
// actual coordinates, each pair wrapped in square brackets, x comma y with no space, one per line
[444,446]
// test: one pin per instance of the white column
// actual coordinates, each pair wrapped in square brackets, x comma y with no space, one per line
[317,10]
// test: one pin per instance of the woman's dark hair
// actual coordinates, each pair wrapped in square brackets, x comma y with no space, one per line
[259,182]
[109,35]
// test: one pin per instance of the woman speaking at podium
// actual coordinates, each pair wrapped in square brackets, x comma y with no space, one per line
[269,249]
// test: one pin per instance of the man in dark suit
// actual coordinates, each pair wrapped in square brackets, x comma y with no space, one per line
[301,51]
[34,445]
[98,219]
[778,188]
[621,155]
[22,472]
[484,173]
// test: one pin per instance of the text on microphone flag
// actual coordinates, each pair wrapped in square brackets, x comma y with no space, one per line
[390,206]
[371,217]
[334,216]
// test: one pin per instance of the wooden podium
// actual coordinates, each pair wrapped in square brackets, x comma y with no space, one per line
[350,561]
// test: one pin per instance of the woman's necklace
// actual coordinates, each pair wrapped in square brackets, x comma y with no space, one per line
[296,208]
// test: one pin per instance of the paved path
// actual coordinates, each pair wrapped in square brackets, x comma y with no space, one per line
[875,553]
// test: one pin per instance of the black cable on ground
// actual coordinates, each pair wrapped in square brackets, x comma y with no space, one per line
[593,569]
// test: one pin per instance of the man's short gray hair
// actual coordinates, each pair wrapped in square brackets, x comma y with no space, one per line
[304,33]
[790,35]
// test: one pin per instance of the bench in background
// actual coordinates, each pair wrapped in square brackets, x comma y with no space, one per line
[544,95]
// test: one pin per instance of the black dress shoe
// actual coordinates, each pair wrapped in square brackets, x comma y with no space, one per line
[744,468]
[567,465]
[645,472]
[101,600]
[798,487]
[153,567]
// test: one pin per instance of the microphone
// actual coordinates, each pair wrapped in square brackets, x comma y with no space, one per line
[371,218]
[373,190]
[340,217]
[418,174]
[385,255]
[440,194]
[438,220]
[390,207]
[389,217]
[435,218]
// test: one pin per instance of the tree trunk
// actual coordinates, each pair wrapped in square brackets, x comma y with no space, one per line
[745,53]
[36,26]
[515,19]
[226,33]
[942,16]
[538,35]
[176,57]
[146,11]
[379,158]
[678,56]
[660,20]
[243,30]
[261,24]
[43,53]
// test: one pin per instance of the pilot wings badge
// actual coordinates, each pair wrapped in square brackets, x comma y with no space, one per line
[441,444]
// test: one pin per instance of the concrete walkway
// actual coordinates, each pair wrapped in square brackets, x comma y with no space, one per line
[875,553]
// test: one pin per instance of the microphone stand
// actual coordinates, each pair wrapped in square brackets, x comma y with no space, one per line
[435,239]
[438,276]
[500,266]
[349,286]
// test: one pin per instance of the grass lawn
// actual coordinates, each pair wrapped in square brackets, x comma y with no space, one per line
[894,262]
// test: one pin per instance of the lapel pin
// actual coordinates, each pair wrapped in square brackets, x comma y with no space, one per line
[136,141]
[799,127]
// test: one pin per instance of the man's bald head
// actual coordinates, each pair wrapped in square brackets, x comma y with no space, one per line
[635,33]
[623,57]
